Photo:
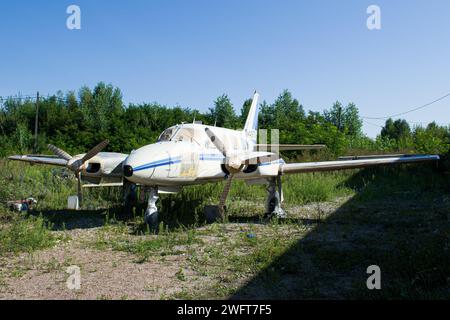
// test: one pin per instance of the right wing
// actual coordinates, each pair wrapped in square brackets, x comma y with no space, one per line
[50,160]
[352,164]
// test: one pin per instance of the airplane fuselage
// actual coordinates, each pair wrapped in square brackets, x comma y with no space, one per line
[184,155]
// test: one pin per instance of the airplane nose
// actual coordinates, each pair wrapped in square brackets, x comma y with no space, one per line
[127,171]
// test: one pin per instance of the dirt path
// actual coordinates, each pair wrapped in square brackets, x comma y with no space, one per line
[105,274]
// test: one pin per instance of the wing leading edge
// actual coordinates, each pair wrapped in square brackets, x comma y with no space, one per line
[55,161]
[352,164]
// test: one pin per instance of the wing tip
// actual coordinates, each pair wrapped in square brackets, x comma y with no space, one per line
[16,157]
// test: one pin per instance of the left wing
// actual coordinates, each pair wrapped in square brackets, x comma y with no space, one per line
[50,160]
[353,164]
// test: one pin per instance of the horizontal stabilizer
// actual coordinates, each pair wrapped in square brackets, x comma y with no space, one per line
[255,157]
[287,147]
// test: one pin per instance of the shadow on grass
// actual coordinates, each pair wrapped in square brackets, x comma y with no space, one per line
[399,221]
[81,219]
[260,220]
[174,214]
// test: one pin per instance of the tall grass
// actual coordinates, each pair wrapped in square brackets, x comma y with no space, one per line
[25,234]
[51,187]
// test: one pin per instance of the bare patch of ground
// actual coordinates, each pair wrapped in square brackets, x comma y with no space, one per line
[105,274]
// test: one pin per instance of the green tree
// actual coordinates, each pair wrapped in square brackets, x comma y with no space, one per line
[397,130]
[266,117]
[223,112]
[23,138]
[334,115]
[432,139]
[351,120]
[244,112]
[287,110]
[346,119]
[101,107]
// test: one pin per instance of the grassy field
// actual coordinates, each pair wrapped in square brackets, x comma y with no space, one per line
[339,224]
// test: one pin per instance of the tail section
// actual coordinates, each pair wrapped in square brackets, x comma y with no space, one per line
[251,124]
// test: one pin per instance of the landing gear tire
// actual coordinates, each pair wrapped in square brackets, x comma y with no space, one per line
[271,206]
[275,210]
[152,220]
[214,214]
[274,200]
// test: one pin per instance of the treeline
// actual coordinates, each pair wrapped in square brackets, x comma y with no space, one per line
[78,121]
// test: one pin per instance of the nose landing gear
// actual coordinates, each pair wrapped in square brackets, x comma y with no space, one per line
[151,214]
[130,200]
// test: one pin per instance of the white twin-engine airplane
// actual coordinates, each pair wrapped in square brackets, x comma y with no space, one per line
[189,154]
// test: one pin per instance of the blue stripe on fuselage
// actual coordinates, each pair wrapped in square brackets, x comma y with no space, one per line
[152,163]
[212,156]
[158,163]
[203,157]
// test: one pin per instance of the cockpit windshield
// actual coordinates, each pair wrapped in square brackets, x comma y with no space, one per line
[167,135]
[180,133]
[184,134]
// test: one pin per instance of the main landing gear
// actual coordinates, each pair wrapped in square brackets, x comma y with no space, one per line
[275,199]
[273,202]
[131,199]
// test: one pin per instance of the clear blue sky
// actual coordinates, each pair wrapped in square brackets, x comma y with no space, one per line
[188,52]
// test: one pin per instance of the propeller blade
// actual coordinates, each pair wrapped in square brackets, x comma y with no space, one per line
[59,152]
[216,141]
[94,151]
[235,163]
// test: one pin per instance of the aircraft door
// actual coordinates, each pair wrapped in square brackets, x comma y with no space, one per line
[186,167]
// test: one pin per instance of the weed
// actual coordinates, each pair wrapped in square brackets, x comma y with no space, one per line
[26,234]
[180,275]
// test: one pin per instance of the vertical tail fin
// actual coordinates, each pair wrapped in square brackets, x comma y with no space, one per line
[251,124]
